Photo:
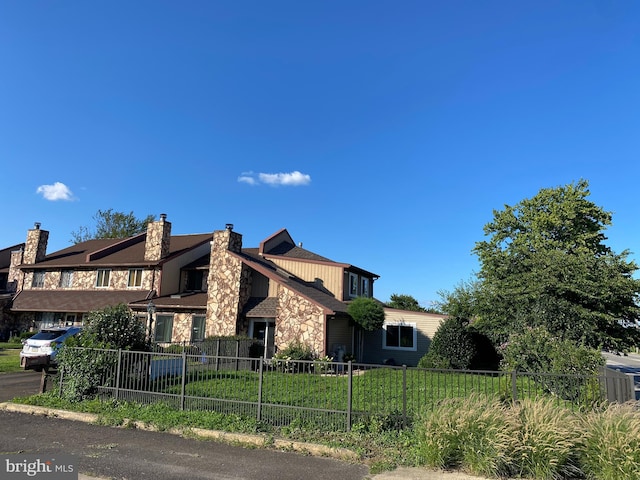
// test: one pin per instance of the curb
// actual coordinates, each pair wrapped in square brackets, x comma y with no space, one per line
[226,437]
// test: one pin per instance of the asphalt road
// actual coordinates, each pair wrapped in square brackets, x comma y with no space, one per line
[19,384]
[138,454]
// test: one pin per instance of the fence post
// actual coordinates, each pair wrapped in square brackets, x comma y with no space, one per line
[184,379]
[217,354]
[118,373]
[349,394]
[237,354]
[261,373]
[404,395]
[514,386]
[60,384]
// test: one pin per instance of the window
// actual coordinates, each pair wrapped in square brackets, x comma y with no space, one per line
[38,280]
[135,277]
[66,278]
[400,336]
[164,328]
[364,291]
[353,285]
[194,280]
[102,279]
[197,328]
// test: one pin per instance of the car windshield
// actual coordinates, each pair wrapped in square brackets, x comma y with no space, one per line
[48,334]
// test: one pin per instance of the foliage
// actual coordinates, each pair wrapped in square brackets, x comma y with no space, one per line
[434,361]
[83,368]
[545,263]
[475,433]
[110,224]
[454,343]
[404,302]
[536,350]
[367,313]
[611,443]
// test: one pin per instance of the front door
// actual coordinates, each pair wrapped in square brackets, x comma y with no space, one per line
[263,330]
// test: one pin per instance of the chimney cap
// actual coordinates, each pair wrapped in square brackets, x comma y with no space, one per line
[37,225]
[229,226]
[163,216]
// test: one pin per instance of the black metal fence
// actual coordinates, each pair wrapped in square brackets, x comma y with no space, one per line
[326,394]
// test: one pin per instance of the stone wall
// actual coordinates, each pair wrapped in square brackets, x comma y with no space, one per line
[224,284]
[157,243]
[35,248]
[299,320]
[86,280]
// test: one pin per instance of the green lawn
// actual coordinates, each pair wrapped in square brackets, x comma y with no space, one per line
[10,357]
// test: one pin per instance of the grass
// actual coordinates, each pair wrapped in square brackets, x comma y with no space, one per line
[10,357]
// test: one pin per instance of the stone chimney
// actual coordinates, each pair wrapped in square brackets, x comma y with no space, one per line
[158,240]
[36,247]
[226,239]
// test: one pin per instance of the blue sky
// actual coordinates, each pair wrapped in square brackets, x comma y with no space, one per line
[379,133]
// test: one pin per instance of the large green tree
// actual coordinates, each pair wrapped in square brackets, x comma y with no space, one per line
[110,224]
[545,263]
[404,302]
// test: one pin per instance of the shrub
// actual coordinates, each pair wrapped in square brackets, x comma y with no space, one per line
[367,313]
[547,440]
[454,342]
[83,368]
[433,360]
[536,351]
[611,443]
[473,433]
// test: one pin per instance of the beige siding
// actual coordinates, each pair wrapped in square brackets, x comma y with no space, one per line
[328,276]
[426,325]
[339,333]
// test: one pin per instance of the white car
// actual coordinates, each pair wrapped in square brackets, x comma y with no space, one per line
[39,351]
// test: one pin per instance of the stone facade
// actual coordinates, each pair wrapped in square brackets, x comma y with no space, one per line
[36,247]
[86,280]
[158,240]
[227,279]
[299,320]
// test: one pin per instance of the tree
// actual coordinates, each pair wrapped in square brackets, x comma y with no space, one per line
[367,314]
[545,263]
[404,302]
[110,224]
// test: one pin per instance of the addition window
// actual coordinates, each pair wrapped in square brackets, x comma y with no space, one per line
[353,285]
[38,280]
[66,278]
[135,277]
[400,336]
[164,328]
[102,278]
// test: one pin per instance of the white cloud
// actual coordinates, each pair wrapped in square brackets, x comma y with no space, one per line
[57,191]
[245,178]
[293,179]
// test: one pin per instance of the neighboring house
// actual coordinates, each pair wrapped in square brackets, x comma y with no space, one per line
[7,290]
[189,287]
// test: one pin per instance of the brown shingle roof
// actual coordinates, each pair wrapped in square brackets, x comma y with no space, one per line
[261,307]
[78,301]
[117,252]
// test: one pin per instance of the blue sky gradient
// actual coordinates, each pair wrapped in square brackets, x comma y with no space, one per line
[379,133]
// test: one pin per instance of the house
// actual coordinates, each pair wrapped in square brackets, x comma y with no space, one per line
[189,287]
[7,290]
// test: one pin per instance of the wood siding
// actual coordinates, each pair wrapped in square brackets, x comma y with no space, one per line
[329,277]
